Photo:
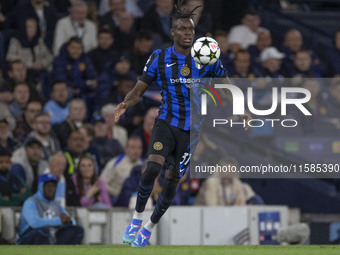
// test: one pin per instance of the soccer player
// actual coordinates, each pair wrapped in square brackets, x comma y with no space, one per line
[170,140]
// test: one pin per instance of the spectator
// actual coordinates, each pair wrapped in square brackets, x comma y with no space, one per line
[74,68]
[30,166]
[103,54]
[21,96]
[30,48]
[134,115]
[264,40]
[44,221]
[157,19]
[43,132]
[77,113]
[315,105]
[108,82]
[7,142]
[17,74]
[57,107]
[293,42]
[242,66]
[303,65]
[25,121]
[245,34]
[141,50]
[74,150]
[131,6]
[333,104]
[75,25]
[334,55]
[114,131]
[87,131]
[91,188]
[128,194]
[226,55]
[13,191]
[203,20]
[125,32]
[108,147]
[66,193]
[118,169]
[144,130]
[5,114]
[110,20]
[225,189]
[44,15]
[271,60]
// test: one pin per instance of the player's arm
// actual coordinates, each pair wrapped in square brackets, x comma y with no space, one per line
[131,98]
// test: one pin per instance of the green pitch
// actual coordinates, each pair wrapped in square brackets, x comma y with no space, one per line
[171,250]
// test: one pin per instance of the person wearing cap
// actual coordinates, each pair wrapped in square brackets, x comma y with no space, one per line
[7,142]
[44,221]
[271,60]
[13,191]
[108,148]
[30,166]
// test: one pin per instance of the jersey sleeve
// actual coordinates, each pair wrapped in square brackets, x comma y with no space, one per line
[218,70]
[150,68]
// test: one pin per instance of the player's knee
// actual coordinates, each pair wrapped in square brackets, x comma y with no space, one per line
[152,171]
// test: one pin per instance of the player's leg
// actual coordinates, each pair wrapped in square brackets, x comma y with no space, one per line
[161,144]
[172,177]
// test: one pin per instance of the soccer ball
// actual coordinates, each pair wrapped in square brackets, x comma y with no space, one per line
[205,51]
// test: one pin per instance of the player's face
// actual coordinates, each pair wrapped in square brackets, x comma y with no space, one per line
[183,32]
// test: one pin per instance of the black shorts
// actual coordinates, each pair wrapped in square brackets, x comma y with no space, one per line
[174,145]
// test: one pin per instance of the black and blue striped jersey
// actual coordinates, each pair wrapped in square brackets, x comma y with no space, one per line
[175,73]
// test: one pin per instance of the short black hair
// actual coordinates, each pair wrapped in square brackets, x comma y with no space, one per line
[180,13]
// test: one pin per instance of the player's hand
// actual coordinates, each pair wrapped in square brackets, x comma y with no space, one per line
[120,110]
[246,117]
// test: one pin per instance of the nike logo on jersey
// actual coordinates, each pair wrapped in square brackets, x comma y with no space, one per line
[167,65]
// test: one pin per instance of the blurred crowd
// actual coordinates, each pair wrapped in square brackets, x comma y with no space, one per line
[66,64]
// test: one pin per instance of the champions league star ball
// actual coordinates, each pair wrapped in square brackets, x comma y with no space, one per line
[205,51]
